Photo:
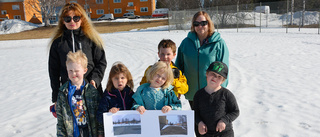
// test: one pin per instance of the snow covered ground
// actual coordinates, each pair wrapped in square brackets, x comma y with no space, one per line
[274,76]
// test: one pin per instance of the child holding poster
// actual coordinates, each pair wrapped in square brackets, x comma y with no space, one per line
[215,106]
[158,93]
[118,93]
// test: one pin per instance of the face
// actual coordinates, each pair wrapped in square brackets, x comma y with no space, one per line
[166,55]
[72,25]
[158,79]
[76,73]
[201,30]
[119,81]
[214,80]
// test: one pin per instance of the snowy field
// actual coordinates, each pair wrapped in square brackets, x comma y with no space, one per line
[273,76]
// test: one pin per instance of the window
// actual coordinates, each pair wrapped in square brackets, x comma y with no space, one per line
[144,9]
[117,11]
[3,12]
[116,1]
[53,18]
[15,7]
[17,17]
[100,11]
[99,1]
[130,4]
[143,0]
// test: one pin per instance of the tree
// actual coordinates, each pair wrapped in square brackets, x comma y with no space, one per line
[47,8]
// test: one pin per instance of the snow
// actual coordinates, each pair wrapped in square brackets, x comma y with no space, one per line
[273,75]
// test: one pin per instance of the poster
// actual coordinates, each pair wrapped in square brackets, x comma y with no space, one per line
[175,123]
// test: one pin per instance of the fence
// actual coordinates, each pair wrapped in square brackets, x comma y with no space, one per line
[256,15]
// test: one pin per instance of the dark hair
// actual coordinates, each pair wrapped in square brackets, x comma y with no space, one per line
[167,43]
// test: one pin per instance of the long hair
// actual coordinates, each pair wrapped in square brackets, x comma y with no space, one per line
[86,24]
[161,67]
[210,23]
[116,69]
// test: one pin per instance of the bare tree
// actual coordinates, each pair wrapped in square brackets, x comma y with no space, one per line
[47,8]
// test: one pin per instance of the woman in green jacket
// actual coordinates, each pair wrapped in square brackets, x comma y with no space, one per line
[198,50]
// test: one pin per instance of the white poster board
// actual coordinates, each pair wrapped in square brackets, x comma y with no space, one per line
[153,123]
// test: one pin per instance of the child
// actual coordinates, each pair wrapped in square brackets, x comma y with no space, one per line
[215,106]
[157,93]
[77,101]
[167,52]
[118,94]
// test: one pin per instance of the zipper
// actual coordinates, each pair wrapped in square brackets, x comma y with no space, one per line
[123,102]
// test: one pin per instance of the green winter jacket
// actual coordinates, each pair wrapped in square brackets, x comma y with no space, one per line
[194,59]
[91,99]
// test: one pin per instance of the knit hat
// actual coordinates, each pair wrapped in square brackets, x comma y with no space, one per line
[219,68]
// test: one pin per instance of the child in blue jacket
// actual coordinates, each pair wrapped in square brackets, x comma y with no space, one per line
[158,93]
[118,94]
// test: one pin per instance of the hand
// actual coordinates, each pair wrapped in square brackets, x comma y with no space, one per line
[93,83]
[166,109]
[141,109]
[202,128]
[100,136]
[220,126]
[114,110]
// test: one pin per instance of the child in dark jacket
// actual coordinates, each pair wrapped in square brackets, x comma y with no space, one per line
[215,106]
[118,94]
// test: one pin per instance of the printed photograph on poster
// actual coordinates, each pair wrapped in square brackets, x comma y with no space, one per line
[126,124]
[153,123]
[173,125]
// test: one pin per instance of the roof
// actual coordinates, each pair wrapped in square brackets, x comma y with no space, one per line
[11,0]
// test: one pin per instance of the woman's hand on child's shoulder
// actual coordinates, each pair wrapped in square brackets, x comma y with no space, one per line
[141,109]
[114,110]
[166,109]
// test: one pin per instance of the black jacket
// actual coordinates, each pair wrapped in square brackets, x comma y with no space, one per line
[73,40]
[220,105]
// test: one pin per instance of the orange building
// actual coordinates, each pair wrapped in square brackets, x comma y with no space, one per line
[96,8]
[19,9]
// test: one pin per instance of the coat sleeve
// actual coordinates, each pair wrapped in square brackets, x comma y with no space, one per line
[54,70]
[180,85]
[103,107]
[137,98]
[100,65]
[179,60]
[61,129]
[174,102]
[196,109]
[223,56]
[232,109]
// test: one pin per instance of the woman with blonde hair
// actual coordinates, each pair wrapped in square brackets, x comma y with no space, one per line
[75,32]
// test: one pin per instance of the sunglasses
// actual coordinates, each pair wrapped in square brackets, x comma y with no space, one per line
[202,23]
[68,19]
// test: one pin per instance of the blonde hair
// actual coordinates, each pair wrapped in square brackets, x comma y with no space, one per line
[86,24]
[161,67]
[116,69]
[210,23]
[167,43]
[77,57]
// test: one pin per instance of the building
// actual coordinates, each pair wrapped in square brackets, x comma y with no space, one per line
[97,8]
[20,9]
